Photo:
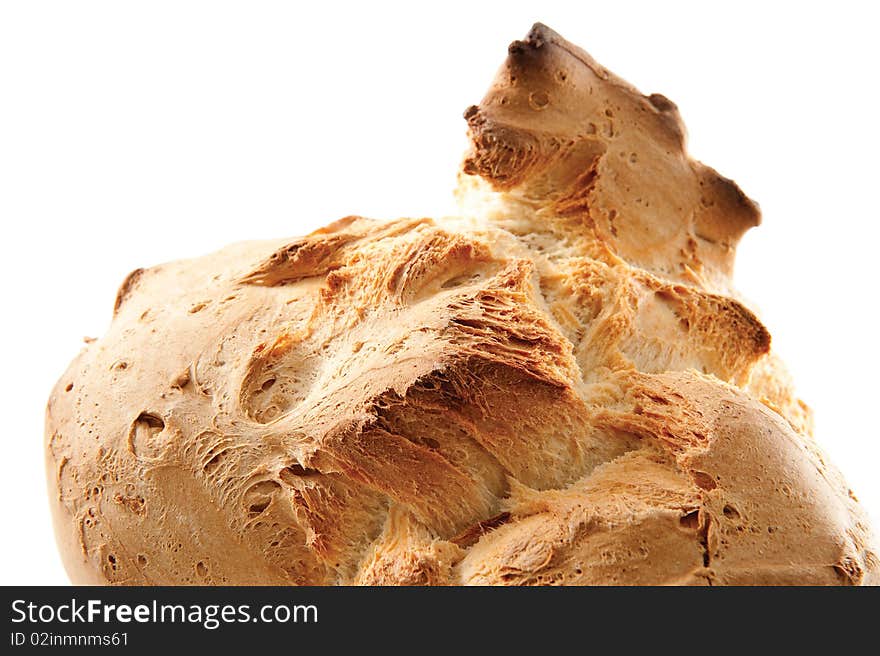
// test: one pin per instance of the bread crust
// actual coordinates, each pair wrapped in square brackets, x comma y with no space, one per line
[557,387]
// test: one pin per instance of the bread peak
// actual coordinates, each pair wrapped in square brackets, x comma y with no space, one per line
[558,386]
[569,143]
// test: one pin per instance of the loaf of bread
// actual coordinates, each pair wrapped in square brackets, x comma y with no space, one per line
[557,386]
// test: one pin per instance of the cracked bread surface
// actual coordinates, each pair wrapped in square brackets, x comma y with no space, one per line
[558,386]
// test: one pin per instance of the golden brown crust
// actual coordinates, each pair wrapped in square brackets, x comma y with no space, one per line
[558,132]
[543,394]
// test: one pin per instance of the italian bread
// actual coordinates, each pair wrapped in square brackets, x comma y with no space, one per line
[558,386]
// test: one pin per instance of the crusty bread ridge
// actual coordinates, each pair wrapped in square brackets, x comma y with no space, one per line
[559,386]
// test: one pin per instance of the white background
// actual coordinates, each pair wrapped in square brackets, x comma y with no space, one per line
[133,133]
